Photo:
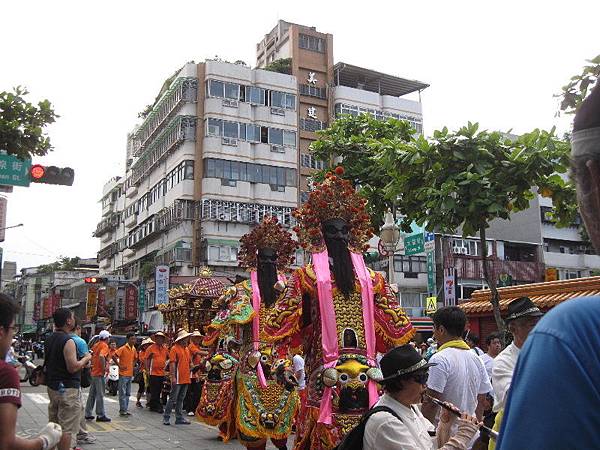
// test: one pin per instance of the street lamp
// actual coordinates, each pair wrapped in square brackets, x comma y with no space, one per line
[390,235]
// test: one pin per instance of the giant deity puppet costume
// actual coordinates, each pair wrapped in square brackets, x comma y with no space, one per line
[344,312]
[265,399]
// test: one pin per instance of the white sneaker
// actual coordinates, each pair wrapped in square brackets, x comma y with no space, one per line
[191,414]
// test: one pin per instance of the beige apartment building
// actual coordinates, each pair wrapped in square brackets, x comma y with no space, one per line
[226,144]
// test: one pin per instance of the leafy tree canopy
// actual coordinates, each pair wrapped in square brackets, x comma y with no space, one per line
[576,90]
[22,124]
[62,263]
[281,65]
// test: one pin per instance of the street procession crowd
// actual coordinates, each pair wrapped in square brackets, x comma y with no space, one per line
[326,353]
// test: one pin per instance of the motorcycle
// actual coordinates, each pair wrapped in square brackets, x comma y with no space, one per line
[112,382]
[25,370]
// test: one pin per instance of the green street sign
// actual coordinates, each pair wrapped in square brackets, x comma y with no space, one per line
[414,244]
[14,171]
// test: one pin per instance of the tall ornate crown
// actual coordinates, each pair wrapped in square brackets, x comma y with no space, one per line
[334,198]
[268,234]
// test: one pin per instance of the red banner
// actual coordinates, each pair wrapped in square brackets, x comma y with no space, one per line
[131,303]
[56,300]
[36,311]
[46,305]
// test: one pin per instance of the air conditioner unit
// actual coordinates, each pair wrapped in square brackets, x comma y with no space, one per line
[230,103]
[225,217]
[214,130]
[464,250]
[277,188]
[230,183]
[277,111]
[277,149]
[229,141]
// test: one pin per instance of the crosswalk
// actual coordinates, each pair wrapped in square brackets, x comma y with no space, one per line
[42,398]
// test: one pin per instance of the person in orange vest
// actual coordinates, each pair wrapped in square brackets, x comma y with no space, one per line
[127,355]
[197,355]
[112,350]
[179,370]
[100,358]
[156,360]
[142,377]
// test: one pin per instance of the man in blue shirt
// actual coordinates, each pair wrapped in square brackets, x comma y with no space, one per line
[555,393]
[83,437]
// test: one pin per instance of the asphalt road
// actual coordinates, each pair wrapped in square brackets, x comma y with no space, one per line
[142,430]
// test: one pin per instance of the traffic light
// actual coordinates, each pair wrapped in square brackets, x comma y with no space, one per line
[51,175]
[94,280]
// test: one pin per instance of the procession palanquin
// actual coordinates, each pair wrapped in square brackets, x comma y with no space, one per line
[192,306]
[260,411]
[298,313]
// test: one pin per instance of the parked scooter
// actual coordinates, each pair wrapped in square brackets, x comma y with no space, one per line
[25,369]
[112,383]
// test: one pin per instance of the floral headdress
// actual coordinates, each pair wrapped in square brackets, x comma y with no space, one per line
[268,234]
[334,198]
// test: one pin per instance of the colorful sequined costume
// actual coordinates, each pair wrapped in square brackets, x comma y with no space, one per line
[341,335]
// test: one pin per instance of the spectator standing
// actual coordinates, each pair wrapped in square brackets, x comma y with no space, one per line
[127,355]
[142,377]
[197,354]
[63,377]
[156,360]
[494,346]
[405,375]
[10,392]
[112,351]
[83,435]
[459,376]
[100,355]
[179,370]
[472,341]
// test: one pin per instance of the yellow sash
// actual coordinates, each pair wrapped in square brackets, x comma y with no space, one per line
[456,343]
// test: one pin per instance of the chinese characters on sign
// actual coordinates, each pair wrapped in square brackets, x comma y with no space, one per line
[92,302]
[431,272]
[120,304]
[312,112]
[449,287]
[13,171]
[130,303]
[162,284]
[142,299]
[312,78]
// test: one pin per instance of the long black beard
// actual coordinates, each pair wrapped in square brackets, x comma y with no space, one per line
[342,268]
[267,278]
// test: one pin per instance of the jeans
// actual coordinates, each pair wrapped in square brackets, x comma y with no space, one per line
[96,396]
[176,396]
[124,393]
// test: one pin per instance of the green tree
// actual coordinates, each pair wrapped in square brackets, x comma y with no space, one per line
[22,124]
[578,87]
[62,263]
[359,141]
[281,65]
[464,180]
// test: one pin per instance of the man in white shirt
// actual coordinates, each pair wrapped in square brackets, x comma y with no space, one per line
[459,376]
[494,345]
[522,317]
[298,365]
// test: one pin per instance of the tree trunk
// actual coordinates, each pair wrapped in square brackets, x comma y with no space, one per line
[491,281]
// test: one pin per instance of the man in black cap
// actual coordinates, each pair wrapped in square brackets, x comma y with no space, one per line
[404,381]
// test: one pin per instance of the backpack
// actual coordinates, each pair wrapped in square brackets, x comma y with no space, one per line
[354,439]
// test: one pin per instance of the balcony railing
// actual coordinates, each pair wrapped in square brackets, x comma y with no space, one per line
[472,268]
[238,212]
[183,90]
[107,224]
[181,128]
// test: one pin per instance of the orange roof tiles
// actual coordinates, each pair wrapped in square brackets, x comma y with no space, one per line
[544,295]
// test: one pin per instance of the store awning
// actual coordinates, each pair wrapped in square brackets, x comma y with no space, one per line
[544,295]
[230,242]
[422,323]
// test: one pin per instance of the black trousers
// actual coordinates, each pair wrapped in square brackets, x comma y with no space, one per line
[192,397]
[155,388]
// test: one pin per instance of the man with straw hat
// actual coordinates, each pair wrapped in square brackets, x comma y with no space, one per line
[179,369]
[156,360]
[197,354]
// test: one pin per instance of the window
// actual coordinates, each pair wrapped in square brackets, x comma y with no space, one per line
[312,125]
[311,162]
[410,265]
[470,247]
[283,100]
[231,129]
[275,136]
[255,96]
[252,133]
[311,43]
[254,173]
[216,88]
[232,91]
[289,138]
[411,300]
[313,91]
[189,170]
[215,127]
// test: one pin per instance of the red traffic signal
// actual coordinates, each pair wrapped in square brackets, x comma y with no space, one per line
[51,175]
[94,280]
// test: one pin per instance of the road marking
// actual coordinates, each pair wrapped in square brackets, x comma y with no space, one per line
[40,399]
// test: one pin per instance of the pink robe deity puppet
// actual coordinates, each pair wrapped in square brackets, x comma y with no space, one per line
[344,312]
